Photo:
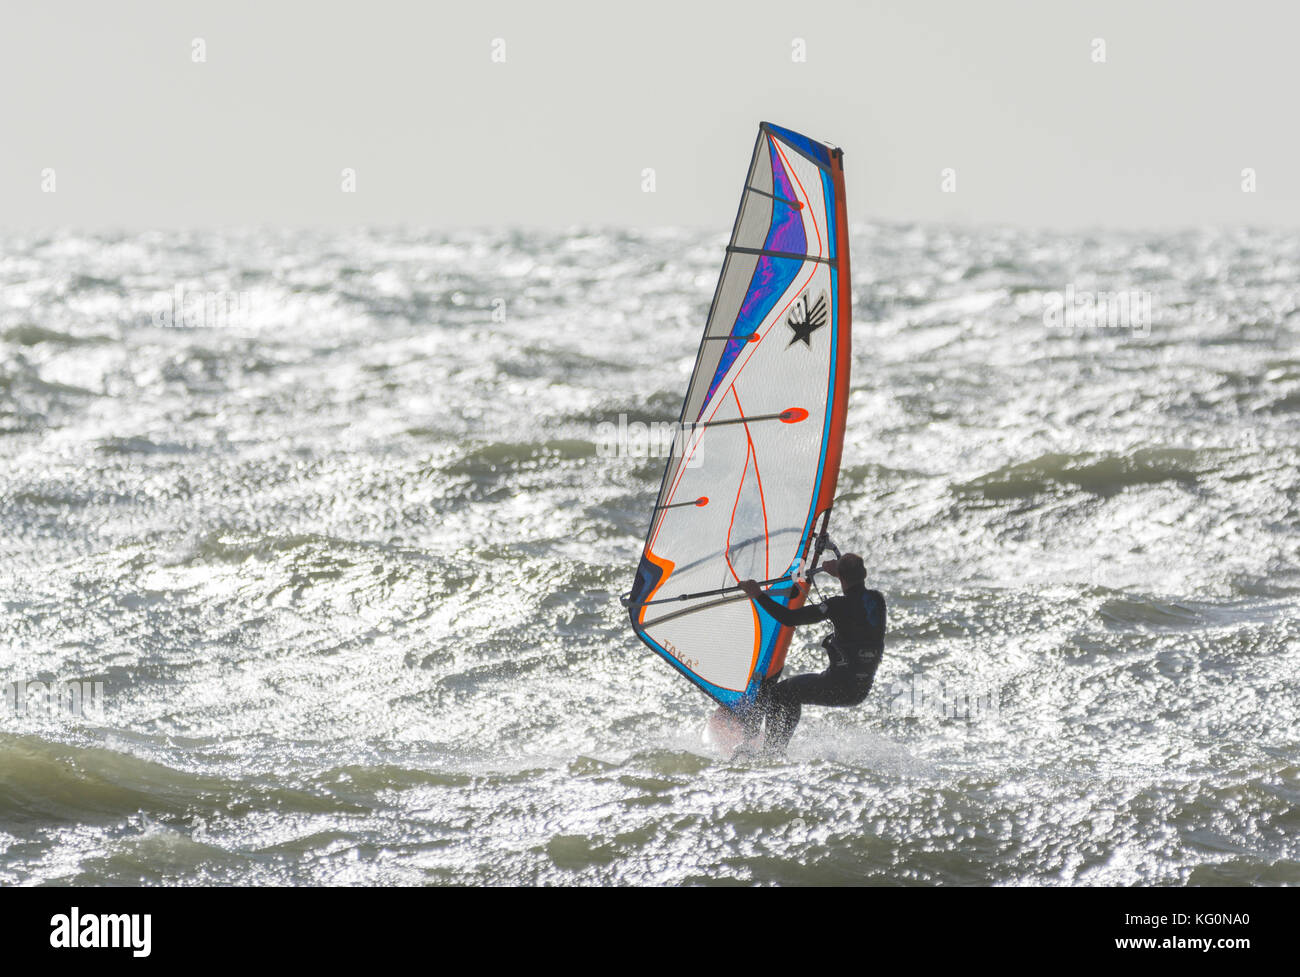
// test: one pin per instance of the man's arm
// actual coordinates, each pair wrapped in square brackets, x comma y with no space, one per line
[808,614]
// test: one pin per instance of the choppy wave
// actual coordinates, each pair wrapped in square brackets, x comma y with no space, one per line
[335,531]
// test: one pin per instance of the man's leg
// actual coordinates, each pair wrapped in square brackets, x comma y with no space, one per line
[829,688]
[787,707]
[753,719]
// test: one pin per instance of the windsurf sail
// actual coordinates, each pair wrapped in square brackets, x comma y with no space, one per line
[750,481]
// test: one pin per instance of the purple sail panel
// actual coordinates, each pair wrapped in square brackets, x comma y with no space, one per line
[772,276]
[787,221]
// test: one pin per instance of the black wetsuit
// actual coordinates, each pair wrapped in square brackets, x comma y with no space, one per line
[855,650]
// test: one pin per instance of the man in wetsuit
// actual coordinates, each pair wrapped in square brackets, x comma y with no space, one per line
[855,650]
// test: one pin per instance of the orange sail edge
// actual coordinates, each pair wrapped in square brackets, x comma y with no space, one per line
[844,342]
[840,402]
[666,566]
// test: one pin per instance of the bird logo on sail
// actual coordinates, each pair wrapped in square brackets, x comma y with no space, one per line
[805,319]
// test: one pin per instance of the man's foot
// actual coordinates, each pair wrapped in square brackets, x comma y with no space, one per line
[731,736]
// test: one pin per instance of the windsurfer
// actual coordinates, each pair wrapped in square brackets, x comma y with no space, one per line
[855,649]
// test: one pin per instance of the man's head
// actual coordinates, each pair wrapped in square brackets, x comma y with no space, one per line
[851,571]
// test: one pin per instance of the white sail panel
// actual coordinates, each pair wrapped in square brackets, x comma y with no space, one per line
[763,425]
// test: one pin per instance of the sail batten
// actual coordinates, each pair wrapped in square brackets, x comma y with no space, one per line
[764,409]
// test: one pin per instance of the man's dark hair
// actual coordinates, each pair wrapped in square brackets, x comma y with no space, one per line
[853,571]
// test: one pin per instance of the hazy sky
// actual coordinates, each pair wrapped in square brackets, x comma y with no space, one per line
[1005,93]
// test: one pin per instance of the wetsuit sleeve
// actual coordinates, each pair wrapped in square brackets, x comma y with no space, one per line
[808,614]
